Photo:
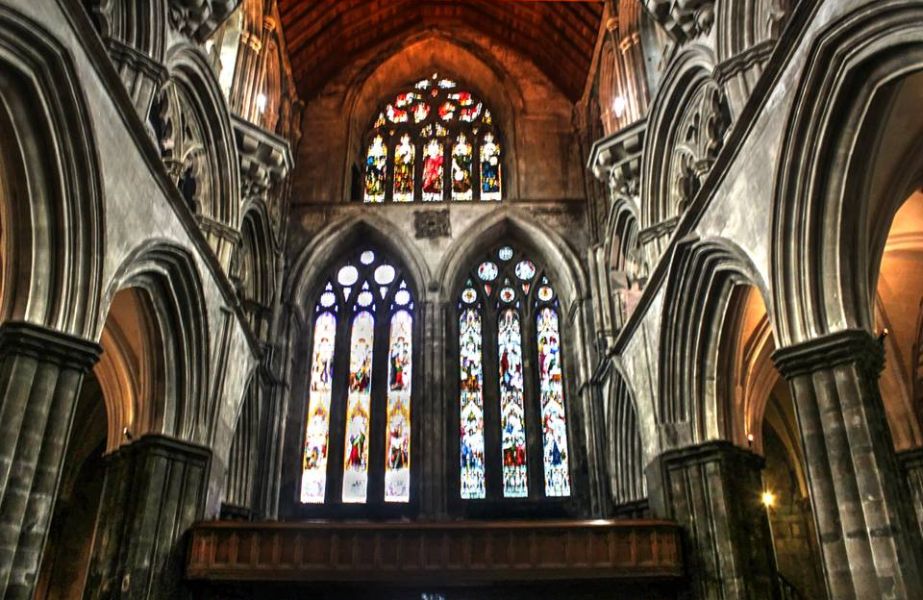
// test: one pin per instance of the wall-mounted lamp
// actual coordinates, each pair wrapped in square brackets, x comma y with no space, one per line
[749,440]
[261,103]
[768,499]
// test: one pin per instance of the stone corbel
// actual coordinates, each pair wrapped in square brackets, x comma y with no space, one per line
[265,161]
[616,161]
[683,19]
[198,19]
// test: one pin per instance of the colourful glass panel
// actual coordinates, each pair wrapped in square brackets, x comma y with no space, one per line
[356,467]
[488,271]
[447,111]
[554,420]
[512,406]
[397,451]
[404,155]
[314,468]
[461,169]
[376,170]
[433,171]
[396,115]
[471,386]
[490,168]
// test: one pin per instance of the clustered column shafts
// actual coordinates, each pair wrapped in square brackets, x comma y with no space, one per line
[863,515]
[41,371]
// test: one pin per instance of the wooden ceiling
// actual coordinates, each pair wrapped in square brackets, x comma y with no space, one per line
[323,36]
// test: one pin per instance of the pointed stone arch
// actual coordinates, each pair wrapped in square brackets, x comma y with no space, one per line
[52,216]
[167,280]
[702,279]
[625,450]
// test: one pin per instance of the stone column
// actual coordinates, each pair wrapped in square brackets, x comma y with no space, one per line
[869,545]
[155,488]
[713,490]
[912,462]
[41,372]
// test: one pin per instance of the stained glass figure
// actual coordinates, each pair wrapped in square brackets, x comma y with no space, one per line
[490,168]
[461,169]
[554,420]
[358,406]
[314,464]
[512,406]
[433,171]
[404,163]
[376,170]
[471,387]
[397,448]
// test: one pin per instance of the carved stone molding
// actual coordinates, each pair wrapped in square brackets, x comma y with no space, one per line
[616,160]
[683,19]
[430,224]
[265,162]
[198,19]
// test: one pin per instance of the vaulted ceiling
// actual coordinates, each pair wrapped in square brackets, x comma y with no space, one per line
[323,36]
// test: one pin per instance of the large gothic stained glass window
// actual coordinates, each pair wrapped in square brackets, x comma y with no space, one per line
[509,329]
[434,142]
[358,432]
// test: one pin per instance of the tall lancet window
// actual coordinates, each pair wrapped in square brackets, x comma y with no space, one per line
[434,141]
[512,410]
[359,407]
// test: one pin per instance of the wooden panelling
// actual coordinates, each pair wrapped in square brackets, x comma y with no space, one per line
[448,553]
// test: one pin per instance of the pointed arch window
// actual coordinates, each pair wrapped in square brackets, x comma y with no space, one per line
[512,412]
[358,427]
[434,141]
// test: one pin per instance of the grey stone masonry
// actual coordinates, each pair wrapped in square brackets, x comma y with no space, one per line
[713,491]
[869,543]
[154,490]
[912,462]
[41,373]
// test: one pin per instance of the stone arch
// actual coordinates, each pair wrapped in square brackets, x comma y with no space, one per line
[845,169]
[52,216]
[244,454]
[702,279]
[467,63]
[256,272]
[687,123]
[569,277]
[169,287]
[627,269]
[304,284]
[193,125]
[745,24]
[625,451]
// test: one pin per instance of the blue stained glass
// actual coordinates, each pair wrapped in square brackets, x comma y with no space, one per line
[471,387]
[554,420]
[512,406]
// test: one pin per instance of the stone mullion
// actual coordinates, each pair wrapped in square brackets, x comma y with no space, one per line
[42,372]
[863,515]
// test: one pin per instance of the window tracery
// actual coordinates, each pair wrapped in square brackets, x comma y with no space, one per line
[513,440]
[358,426]
[435,142]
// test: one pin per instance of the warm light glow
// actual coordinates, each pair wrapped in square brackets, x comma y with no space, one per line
[261,103]
[619,105]
[768,499]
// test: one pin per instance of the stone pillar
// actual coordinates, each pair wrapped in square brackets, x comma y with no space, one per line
[155,488]
[869,545]
[41,372]
[713,490]
[912,462]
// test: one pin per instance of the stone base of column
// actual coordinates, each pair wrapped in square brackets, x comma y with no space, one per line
[154,490]
[713,490]
[912,463]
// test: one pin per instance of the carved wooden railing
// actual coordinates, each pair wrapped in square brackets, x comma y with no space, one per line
[412,553]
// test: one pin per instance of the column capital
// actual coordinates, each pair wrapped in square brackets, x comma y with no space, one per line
[831,350]
[46,344]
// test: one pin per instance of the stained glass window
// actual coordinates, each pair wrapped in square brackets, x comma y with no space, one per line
[314,473]
[508,299]
[435,142]
[358,408]
[471,385]
[366,298]
[397,453]
[551,391]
